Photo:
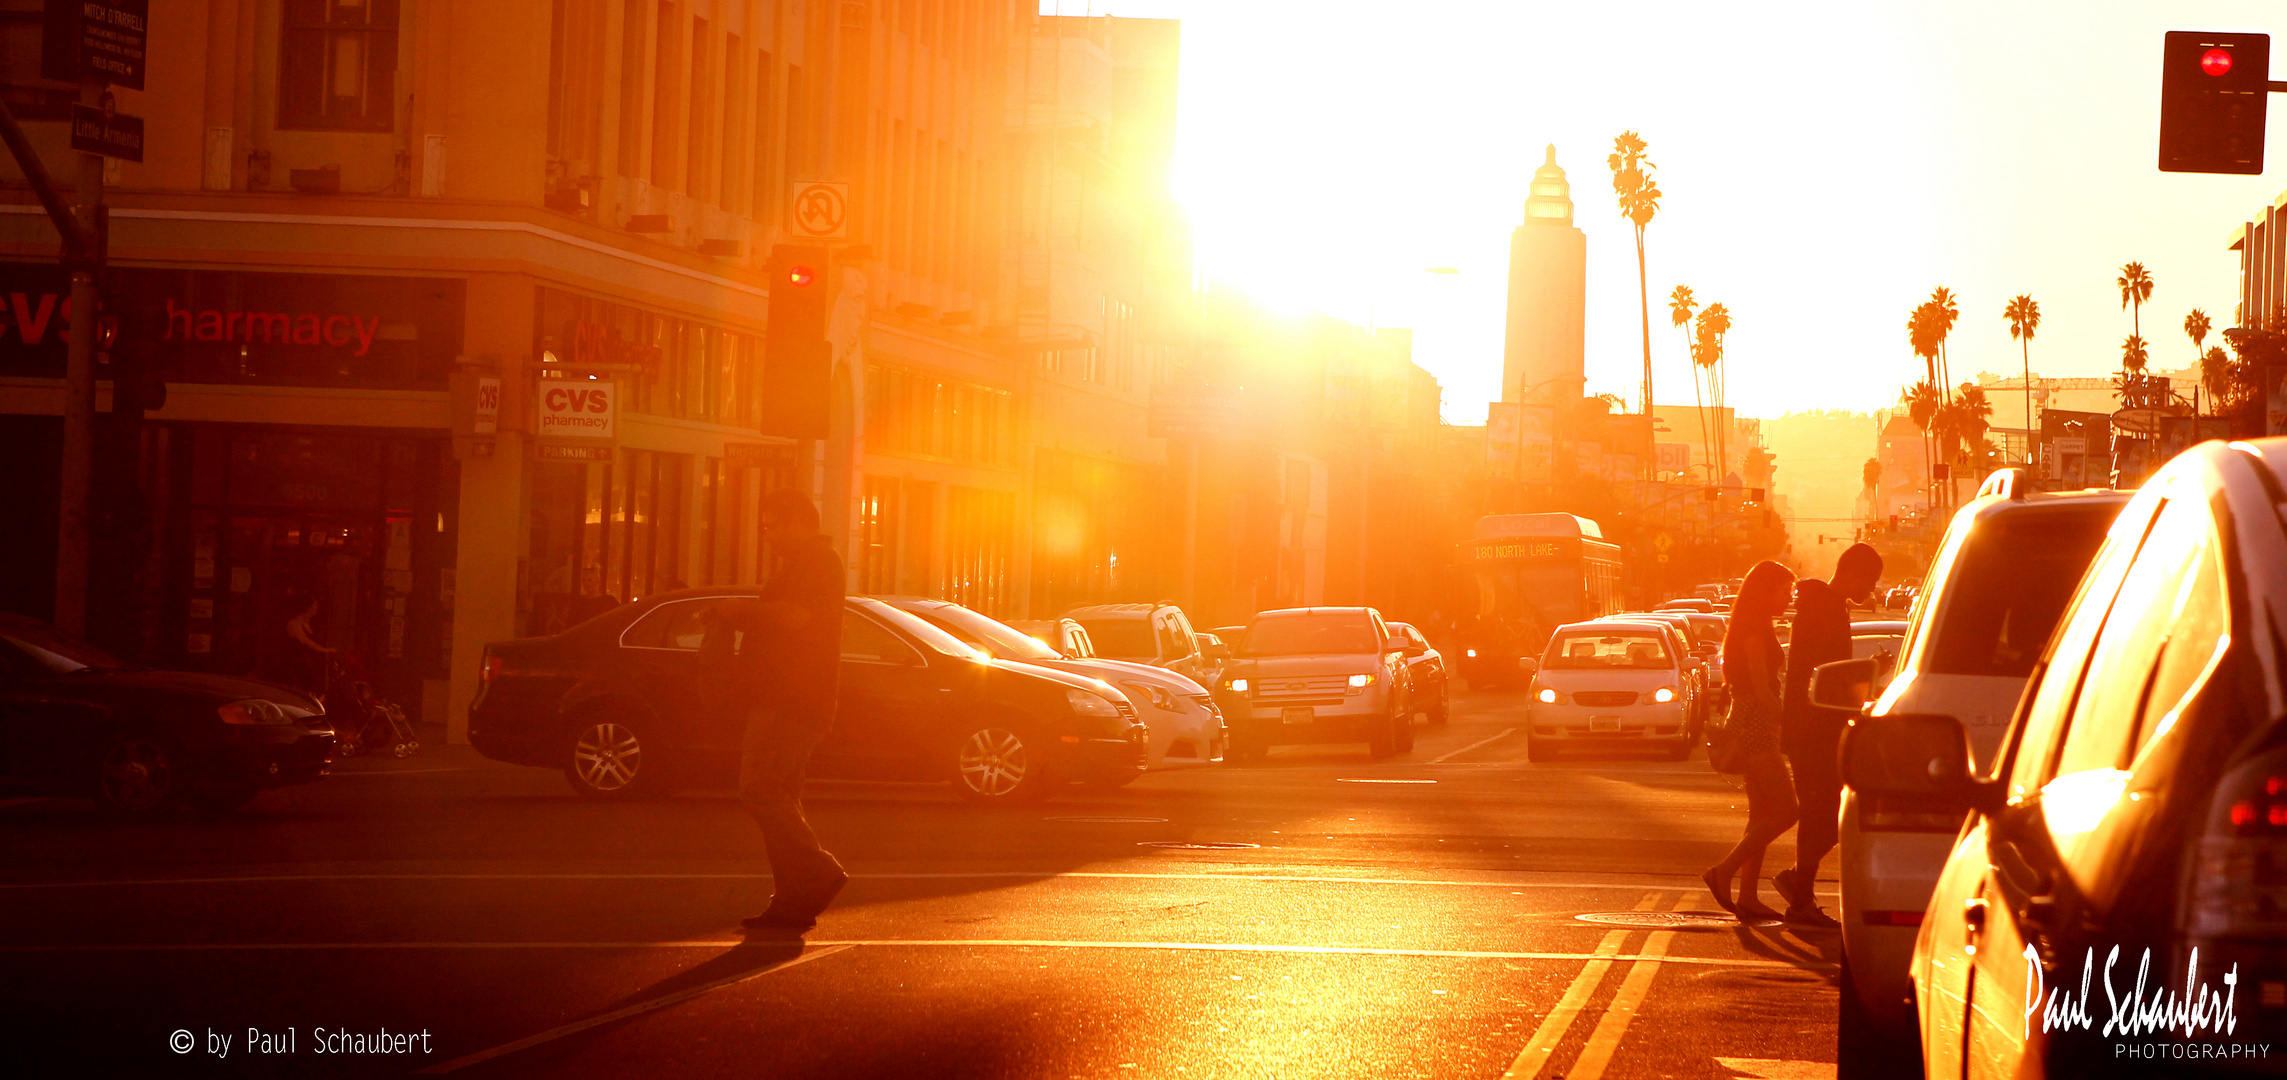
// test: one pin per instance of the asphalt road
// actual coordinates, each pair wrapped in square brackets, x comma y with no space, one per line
[1318,916]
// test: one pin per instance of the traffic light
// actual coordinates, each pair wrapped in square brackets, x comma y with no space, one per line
[2212,93]
[797,361]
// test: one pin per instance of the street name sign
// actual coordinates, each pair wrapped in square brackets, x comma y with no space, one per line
[115,135]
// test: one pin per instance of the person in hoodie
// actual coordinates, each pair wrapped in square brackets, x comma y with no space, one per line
[1811,736]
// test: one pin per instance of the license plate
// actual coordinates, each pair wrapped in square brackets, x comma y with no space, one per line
[1603,723]
[1299,714]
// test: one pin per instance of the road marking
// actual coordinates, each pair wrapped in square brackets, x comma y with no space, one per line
[660,1002]
[1472,746]
[1045,875]
[1006,943]
[1604,1040]
[1535,1056]
[1377,780]
[1778,1068]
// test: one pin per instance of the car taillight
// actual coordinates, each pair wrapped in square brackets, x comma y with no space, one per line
[491,669]
[2239,888]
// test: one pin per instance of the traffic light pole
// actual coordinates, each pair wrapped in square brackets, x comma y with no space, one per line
[79,396]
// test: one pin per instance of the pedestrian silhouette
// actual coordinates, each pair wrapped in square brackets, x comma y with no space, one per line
[1812,735]
[784,677]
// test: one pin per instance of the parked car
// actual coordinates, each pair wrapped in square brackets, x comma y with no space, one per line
[1068,638]
[1155,634]
[1186,727]
[1317,675]
[1610,684]
[1870,638]
[625,707]
[2000,578]
[1425,667]
[1702,604]
[2119,861]
[77,722]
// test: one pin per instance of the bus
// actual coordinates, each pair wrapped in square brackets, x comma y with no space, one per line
[1534,573]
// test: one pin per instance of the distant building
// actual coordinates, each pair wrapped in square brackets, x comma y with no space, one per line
[1544,355]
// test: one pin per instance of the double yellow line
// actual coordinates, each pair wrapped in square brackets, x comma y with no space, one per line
[1604,1039]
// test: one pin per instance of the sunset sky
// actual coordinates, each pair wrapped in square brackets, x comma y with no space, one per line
[1825,166]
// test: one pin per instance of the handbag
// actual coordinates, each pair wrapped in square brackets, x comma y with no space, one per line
[1725,753]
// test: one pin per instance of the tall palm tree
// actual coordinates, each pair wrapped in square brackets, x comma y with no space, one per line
[2216,377]
[1639,197]
[1922,335]
[1922,401]
[2133,355]
[2196,327]
[1707,352]
[2135,288]
[1680,306]
[2024,317]
[1944,312]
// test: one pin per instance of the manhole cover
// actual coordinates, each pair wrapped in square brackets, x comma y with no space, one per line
[1225,846]
[1376,780]
[1110,820]
[1663,920]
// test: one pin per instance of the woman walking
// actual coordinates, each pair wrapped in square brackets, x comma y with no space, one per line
[1751,665]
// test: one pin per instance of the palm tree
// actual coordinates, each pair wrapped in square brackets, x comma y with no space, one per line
[1922,335]
[2024,317]
[2133,355]
[1972,416]
[2217,377]
[2135,288]
[1943,314]
[1707,352]
[1680,307]
[1639,196]
[1922,401]
[2196,327]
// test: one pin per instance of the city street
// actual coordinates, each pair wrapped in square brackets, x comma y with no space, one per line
[1456,912]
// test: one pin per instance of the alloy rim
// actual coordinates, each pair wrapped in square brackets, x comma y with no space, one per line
[993,761]
[137,775]
[607,757]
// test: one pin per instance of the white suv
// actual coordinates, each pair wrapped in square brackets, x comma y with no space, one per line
[2001,578]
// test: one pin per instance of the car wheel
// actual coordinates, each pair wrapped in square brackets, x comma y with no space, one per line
[610,758]
[1536,751]
[1863,1049]
[220,802]
[1245,751]
[139,774]
[1404,726]
[1442,711]
[994,764]
[1681,751]
[1383,742]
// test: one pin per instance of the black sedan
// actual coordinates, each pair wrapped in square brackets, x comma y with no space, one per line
[1426,666]
[625,706]
[77,722]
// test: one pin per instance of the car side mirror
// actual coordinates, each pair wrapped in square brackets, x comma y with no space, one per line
[1530,666]
[1218,652]
[1921,757]
[1843,685]
[1411,649]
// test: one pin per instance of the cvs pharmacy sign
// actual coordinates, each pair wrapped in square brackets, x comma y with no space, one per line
[582,409]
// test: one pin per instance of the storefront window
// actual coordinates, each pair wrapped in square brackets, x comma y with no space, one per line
[669,366]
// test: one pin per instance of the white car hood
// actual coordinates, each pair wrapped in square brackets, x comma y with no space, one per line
[1118,671]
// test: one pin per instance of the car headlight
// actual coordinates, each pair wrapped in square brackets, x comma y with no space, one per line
[1366,679]
[1158,697]
[1237,686]
[253,711]
[1472,654]
[1664,694]
[1090,703]
[1547,696]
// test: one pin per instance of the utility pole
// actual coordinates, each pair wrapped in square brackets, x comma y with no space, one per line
[79,391]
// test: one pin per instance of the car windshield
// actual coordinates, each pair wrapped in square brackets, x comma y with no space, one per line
[2010,585]
[922,630]
[1590,650]
[58,652]
[1121,637]
[1310,635]
[995,637]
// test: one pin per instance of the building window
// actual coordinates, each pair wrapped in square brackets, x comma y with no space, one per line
[878,507]
[337,67]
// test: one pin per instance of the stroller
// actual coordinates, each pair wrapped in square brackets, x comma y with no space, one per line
[364,723]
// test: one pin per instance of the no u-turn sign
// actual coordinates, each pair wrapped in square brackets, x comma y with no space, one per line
[820,210]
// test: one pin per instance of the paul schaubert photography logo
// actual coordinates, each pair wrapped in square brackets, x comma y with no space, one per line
[2198,1008]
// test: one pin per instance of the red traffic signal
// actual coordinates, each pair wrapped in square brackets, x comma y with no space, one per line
[2213,94]
[799,275]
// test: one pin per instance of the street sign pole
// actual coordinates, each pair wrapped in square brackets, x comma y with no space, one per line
[79,394]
